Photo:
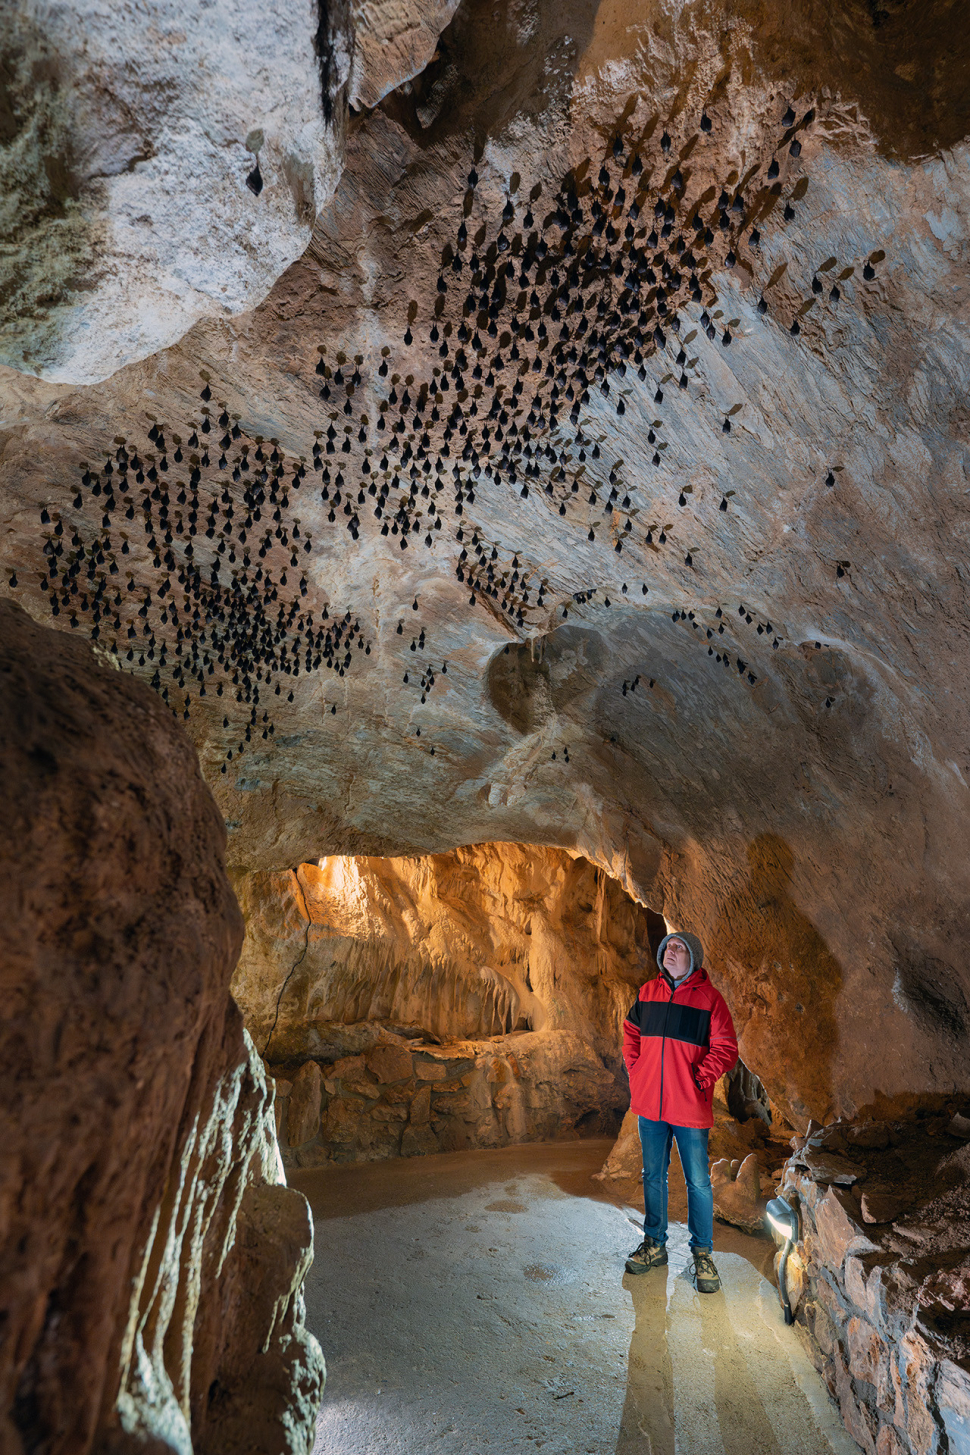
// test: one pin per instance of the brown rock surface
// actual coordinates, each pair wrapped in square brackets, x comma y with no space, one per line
[792,783]
[303,1105]
[685,601]
[824,1167]
[881,1207]
[127,218]
[391,1063]
[885,1305]
[139,1166]
[737,1193]
[393,41]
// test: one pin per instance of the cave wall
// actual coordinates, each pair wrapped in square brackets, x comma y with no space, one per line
[151,1256]
[879,1274]
[805,812]
[433,1003]
[159,164]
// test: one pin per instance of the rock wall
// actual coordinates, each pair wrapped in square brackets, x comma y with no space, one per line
[465,999]
[159,164]
[880,1276]
[763,735]
[151,1257]
[406,1098]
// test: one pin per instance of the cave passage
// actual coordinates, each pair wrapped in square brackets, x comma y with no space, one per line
[437,1003]
[457,1005]
[471,470]
[476,1301]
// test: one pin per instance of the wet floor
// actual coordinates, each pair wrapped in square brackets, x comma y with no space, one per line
[477,1302]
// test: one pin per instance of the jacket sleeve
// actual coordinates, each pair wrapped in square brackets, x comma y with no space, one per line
[723,1050]
[631,1035]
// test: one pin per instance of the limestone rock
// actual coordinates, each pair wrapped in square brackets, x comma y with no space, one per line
[953,1398]
[134,130]
[393,41]
[481,941]
[430,1071]
[421,1107]
[418,1141]
[390,1063]
[842,999]
[303,1109]
[138,1133]
[737,1193]
[825,1167]
[508,967]
[881,1207]
[838,1233]
[867,1355]
[870,1135]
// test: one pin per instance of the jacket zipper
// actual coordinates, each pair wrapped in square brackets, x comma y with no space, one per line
[663,1047]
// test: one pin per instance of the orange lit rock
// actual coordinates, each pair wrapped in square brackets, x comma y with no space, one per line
[498,976]
[390,1063]
[867,1355]
[421,1107]
[838,1232]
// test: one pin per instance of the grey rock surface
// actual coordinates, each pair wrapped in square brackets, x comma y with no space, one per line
[477,1301]
[131,131]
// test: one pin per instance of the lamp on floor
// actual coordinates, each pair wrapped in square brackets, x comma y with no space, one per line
[783,1220]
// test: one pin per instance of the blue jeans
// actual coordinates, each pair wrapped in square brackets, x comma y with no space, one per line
[655,1139]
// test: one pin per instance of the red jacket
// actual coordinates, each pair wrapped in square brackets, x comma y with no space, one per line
[676,1045]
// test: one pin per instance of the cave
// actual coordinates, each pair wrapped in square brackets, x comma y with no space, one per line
[406,1006]
[483,490]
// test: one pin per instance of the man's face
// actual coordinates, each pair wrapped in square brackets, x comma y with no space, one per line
[676,958]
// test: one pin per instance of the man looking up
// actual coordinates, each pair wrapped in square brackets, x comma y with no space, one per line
[678,1039]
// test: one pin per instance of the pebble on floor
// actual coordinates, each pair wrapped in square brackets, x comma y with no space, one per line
[477,1302]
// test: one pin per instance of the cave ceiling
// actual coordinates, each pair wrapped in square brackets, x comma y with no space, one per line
[595,475]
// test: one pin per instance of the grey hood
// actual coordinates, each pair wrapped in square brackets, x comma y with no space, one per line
[693,944]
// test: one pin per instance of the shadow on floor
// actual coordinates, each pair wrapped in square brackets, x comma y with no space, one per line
[721,1370]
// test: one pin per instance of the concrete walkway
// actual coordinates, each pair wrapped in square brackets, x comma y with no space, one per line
[476,1302]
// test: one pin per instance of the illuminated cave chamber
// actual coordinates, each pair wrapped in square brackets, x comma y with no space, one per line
[424,1004]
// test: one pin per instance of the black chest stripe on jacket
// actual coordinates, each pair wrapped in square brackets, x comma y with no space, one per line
[677,1022]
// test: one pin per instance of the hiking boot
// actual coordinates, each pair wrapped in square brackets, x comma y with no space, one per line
[706,1276]
[648,1255]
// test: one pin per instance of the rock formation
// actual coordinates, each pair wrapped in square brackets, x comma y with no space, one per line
[761,735]
[747,1148]
[738,1197]
[880,1274]
[588,471]
[464,999]
[152,1257]
[158,164]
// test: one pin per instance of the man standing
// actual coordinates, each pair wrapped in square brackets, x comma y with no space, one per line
[678,1039]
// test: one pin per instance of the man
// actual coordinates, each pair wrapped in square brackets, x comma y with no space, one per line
[677,1041]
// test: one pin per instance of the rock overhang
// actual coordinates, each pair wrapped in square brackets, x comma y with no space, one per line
[847,746]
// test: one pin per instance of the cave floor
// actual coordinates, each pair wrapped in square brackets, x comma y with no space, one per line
[477,1301]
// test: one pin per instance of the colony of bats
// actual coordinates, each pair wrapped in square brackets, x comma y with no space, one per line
[197,576]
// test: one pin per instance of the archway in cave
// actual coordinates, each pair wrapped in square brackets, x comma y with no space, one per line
[410,1005]
[421,1004]
[443,1033]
